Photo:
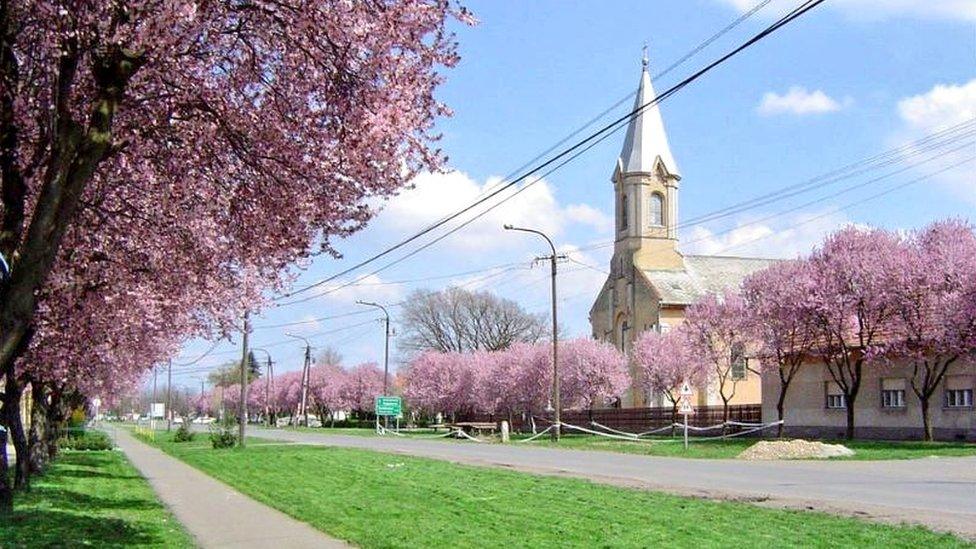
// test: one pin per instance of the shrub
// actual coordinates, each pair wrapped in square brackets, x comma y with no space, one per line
[80,439]
[223,437]
[183,433]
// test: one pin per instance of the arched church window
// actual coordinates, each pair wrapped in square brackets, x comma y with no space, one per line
[623,212]
[657,209]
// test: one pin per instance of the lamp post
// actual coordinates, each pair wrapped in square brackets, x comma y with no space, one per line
[555,330]
[267,387]
[302,407]
[386,344]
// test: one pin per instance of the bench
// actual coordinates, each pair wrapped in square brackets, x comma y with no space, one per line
[474,426]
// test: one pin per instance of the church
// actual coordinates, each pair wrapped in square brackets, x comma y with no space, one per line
[651,282]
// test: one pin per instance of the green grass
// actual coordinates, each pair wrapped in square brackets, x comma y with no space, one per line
[384,500]
[91,499]
[730,448]
[702,449]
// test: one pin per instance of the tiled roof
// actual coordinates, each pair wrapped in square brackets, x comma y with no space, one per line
[703,275]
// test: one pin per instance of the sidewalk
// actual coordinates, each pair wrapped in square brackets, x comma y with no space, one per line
[215,514]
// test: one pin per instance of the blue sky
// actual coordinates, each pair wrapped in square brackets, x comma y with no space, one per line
[850,79]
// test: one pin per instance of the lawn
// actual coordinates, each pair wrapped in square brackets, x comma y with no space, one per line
[703,449]
[91,498]
[383,500]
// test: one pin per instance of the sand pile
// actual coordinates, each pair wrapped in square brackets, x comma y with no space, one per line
[794,449]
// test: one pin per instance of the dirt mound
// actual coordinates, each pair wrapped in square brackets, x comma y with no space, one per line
[794,449]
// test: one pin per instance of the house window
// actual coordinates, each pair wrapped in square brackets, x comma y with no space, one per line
[958,392]
[623,212]
[893,393]
[835,397]
[657,209]
[738,362]
[959,398]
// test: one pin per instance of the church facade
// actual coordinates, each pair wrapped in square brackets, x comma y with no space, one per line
[651,282]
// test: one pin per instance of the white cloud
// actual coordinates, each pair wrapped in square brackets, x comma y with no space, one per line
[437,195]
[943,106]
[798,101]
[880,9]
[790,238]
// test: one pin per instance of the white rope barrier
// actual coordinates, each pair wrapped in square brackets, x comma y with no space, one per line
[537,435]
[635,438]
[467,436]
[655,431]
[604,427]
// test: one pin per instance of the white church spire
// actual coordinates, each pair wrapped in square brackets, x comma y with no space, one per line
[646,139]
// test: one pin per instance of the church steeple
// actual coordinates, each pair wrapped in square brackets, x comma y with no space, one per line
[646,141]
[646,188]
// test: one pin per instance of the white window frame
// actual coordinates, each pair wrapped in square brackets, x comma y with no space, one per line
[959,398]
[893,398]
[656,210]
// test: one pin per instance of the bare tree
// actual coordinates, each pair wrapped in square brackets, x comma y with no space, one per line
[460,320]
[329,356]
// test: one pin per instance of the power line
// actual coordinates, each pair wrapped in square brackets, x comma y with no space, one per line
[609,128]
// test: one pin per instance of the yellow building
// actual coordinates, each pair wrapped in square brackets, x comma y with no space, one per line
[651,281]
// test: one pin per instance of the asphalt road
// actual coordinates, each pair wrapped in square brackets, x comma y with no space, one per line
[937,492]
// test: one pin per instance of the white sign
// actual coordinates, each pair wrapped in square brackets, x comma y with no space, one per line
[686,407]
[686,389]
[158,410]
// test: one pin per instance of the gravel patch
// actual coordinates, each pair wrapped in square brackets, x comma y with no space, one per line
[794,449]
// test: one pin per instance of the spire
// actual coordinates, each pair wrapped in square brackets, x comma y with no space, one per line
[646,139]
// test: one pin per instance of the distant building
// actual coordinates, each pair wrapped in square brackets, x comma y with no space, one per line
[651,282]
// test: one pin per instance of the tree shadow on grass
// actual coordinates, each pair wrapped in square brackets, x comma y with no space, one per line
[48,528]
[78,500]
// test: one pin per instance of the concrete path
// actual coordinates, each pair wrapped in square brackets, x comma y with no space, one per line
[937,492]
[215,514]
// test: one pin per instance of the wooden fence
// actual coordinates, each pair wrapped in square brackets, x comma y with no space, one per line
[631,420]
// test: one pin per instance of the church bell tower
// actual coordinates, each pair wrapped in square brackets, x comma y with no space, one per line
[645,183]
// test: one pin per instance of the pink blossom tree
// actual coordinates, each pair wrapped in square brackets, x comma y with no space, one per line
[935,307]
[437,382]
[782,325]
[718,328]
[665,362]
[591,373]
[165,143]
[360,386]
[326,382]
[851,301]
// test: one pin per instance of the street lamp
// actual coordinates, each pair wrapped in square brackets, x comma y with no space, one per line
[267,387]
[305,374]
[386,345]
[555,329]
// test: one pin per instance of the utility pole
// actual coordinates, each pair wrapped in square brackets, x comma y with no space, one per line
[267,386]
[386,345]
[242,407]
[386,352]
[169,395]
[302,406]
[152,417]
[555,330]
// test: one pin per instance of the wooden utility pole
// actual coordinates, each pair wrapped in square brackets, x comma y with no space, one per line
[242,407]
[169,395]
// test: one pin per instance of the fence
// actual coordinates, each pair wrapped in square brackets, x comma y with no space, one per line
[631,420]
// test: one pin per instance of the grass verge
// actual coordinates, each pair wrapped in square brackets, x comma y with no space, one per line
[383,500]
[93,499]
[703,449]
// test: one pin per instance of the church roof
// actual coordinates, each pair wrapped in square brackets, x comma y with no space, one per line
[646,139]
[703,275]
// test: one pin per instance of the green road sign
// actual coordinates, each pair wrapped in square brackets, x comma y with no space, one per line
[388,406]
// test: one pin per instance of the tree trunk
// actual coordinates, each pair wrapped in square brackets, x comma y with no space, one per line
[6,490]
[779,410]
[849,433]
[725,415]
[15,425]
[674,416]
[37,434]
[926,420]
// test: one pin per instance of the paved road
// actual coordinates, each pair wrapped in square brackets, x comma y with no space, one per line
[215,514]
[937,492]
